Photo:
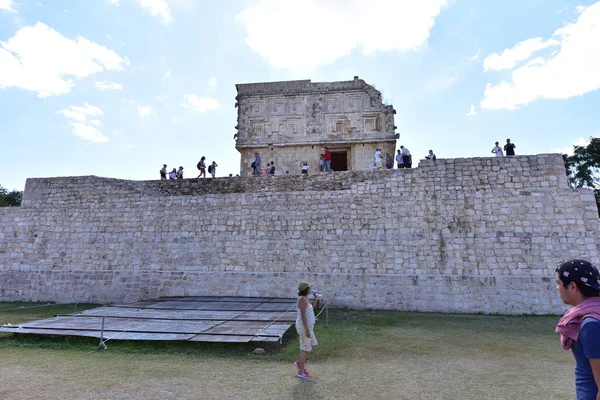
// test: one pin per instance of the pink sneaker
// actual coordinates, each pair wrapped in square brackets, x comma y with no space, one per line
[304,374]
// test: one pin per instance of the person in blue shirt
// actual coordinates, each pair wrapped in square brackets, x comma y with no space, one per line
[578,285]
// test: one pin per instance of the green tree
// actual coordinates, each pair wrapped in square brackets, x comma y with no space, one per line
[583,167]
[10,199]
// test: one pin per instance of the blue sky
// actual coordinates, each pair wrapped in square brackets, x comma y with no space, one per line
[116,88]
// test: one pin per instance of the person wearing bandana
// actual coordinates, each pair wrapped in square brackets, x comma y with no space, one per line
[578,285]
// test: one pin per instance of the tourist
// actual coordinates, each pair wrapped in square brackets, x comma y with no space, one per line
[256,164]
[272,169]
[406,157]
[305,323]
[378,159]
[202,167]
[509,148]
[212,169]
[431,156]
[304,168]
[163,173]
[399,160]
[322,162]
[173,174]
[497,150]
[179,174]
[578,285]
[327,155]
[389,161]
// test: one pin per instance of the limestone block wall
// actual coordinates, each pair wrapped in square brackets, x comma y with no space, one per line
[457,235]
[289,158]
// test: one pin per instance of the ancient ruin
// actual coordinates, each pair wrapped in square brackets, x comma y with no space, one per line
[291,122]
[455,235]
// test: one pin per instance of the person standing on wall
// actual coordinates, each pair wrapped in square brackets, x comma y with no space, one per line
[378,159]
[304,169]
[497,150]
[406,159]
[173,174]
[256,164]
[399,160]
[305,323]
[389,161]
[212,169]
[431,156]
[509,148]
[163,173]
[202,167]
[327,155]
[578,285]
[179,174]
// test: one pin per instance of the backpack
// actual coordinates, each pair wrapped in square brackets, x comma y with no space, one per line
[199,165]
[210,169]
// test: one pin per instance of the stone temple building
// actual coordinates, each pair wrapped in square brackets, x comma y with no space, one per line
[291,122]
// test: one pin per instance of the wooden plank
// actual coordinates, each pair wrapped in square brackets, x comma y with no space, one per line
[189,314]
[160,314]
[107,335]
[127,325]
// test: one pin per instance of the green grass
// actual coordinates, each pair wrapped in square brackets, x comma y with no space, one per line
[361,354]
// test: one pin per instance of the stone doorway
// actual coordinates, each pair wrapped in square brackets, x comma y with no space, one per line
[339,160]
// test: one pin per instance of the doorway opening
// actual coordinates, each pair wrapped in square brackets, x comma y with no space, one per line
[339,160]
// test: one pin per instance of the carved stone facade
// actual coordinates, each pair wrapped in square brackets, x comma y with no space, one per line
[291,122]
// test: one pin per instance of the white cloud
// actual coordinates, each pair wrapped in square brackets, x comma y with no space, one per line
[167,74]
[570,71]
[81,113]
[88,132]
[277,30]
[520,52]
[113,2]
[580,141]
[159,9]
[108,85]
[472,111]
[7,5]
[144,111]
[475,56]
[212,82]
[198,103]
[77,116]
[39,59]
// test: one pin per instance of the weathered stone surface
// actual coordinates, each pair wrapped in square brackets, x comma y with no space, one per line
[290,122]
[465,235]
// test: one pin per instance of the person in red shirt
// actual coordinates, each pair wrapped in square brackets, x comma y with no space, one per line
[327,155]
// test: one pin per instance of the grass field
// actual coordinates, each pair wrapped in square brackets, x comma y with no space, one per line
[361,355]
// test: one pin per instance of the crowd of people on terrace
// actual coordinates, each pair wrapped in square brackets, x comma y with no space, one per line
[403,159]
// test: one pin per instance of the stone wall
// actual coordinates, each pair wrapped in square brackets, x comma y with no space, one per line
[360,156]
[457,235]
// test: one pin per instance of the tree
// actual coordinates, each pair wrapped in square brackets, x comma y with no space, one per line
[583,167]
[10,199]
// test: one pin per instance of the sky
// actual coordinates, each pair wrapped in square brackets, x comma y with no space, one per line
[116,88]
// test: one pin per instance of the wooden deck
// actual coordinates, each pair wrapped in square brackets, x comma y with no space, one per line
[195,319]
